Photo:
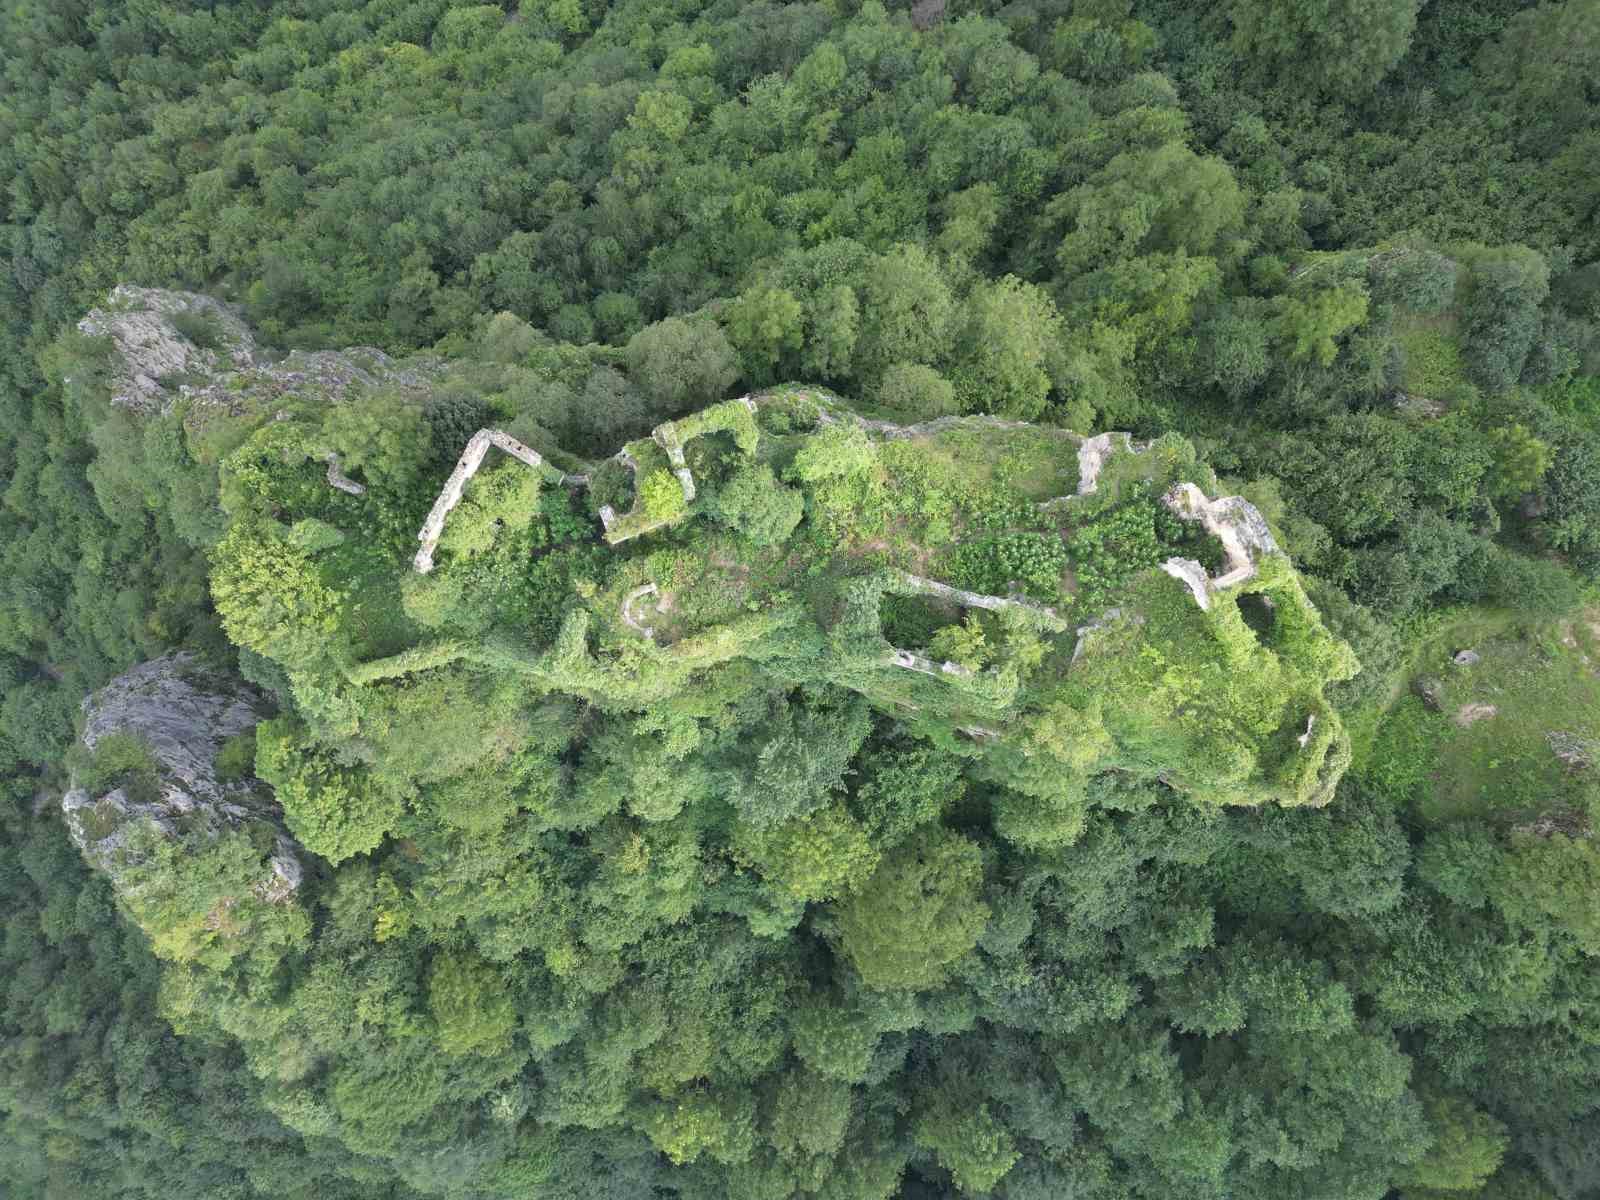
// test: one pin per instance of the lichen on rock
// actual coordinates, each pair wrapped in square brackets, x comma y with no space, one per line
[167,723]
[144,327]
[157,337]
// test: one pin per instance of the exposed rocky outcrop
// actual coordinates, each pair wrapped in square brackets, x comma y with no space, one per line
[143,325]
[1430,691]
[179,715]
[157,337]
[631,601]
[1574,750]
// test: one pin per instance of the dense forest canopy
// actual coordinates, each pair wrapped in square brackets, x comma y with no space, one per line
[803,757]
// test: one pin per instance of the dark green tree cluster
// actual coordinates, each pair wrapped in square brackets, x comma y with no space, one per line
[737,910]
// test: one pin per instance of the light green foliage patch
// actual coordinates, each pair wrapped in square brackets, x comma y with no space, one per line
[661,497]
[119,760]
[504,497]
[1461,761]
[1244,704]
[918,913]
[761,508]
[334,811]
[236,760]
[1432,357]
[997,564]
[678,863]
[471,1005]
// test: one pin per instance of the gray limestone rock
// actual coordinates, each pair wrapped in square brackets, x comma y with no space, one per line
[153,333]
[143,325]
[179,714]
[1093,453]
[1233,521]
[1574,750]
[1192,575]
[1429,691]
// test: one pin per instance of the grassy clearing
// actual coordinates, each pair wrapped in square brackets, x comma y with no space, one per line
[1453,758]
[1433,355]
[1038,464]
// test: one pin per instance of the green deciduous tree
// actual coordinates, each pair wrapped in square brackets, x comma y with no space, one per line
[840,451]
[681,364]
[907,312]
[915,392]
[470,1004]
[758,506]
[764,325]
[918,913]
[1554,880]
[1011,331]
[1340,47]
[1521,460]
[1147,201]
[810,1114]
[1311,326]
[272,598]
[819,856]
[335,810]
[1501,313]
[1468,1145]
[661,496]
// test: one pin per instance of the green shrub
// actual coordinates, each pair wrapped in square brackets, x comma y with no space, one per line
[200,326]
[992,565]
[758,506]
[237,758]
[453,417]
[611,483]
[121,760]
[312,535]
[1110,551]
[916,392]
[661,496]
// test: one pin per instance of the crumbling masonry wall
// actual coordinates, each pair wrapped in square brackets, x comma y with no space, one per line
[466,467]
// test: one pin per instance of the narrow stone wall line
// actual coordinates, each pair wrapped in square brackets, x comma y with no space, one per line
[339,479]
[1304,738]
[890,429]
[632,598]
[932,587]
[450,495]
[906,660]
[1234,522]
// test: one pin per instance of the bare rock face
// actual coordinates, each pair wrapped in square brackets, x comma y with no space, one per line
[173,344]
[171,718]
[144,326]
